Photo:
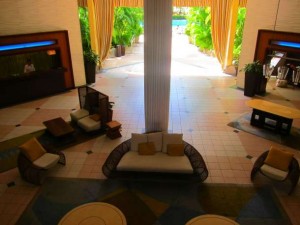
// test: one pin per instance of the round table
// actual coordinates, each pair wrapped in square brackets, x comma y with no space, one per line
[210,219]
[96,213]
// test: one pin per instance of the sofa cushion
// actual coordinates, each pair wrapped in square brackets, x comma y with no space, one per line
[279,159]
[46,161]
[147,148]
[32,149]
[159,162]
[175,149]
[157,139]
[89,124]
[78,114]
[137,139]
[171,139]
[273,173]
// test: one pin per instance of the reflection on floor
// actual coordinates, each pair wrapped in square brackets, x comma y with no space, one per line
[203,102]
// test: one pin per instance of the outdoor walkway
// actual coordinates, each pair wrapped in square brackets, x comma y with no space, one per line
[186,59]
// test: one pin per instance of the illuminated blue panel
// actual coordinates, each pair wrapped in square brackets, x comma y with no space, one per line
[26,45]
[286,44]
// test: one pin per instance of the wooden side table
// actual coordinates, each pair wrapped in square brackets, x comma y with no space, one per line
[211,219]
[93,214]
[113,130]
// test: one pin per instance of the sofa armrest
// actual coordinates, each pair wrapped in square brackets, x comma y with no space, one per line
[114,158]
[196,161]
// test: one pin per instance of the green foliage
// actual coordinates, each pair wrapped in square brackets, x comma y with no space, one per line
[199,30]
[127,25]
[199,27]
[255,67]
[178,17]
[88,54]
[239,35]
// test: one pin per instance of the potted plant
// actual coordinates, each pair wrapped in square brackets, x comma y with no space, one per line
[91,59]
[90,62]
[255,82]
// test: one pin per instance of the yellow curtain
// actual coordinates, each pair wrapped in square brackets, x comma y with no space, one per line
[93,30]
[129,3]
[223,26]
[178,3]
[104,15]
[191,3]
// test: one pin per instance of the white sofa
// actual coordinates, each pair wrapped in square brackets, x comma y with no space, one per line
[127,158]
[161,161]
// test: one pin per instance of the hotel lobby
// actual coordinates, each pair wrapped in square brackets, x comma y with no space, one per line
[203,101]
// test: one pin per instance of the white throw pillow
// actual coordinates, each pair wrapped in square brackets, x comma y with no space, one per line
[157,139]
[136,139]
[171,139]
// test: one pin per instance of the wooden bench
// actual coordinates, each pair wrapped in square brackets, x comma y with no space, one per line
[272,116]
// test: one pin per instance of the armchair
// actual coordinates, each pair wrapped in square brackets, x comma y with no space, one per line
[266,165]
[34,161]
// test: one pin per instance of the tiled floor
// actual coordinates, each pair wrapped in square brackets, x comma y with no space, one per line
[203,102]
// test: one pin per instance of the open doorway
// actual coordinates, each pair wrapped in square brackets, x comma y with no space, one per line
[192,43]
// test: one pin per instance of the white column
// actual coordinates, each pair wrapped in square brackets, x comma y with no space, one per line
[157,59]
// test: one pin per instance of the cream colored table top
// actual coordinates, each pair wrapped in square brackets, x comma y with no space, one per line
[210,219]
[96,213]
[274,108]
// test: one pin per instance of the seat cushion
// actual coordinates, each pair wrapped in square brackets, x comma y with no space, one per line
[159,162]
[32,149]
[78,114]
[46,161]
[273,173]
[89,124]
[279,159]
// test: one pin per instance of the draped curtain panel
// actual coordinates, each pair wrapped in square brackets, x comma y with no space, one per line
[178,3]
[223,26]
[104,15]
[157,61]
[93,29]
[129,3]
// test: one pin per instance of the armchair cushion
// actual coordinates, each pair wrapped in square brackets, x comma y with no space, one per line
[147,148]
[273,173]
[32,149]
[279,159]
[46,161]
[89,124]
[78,114]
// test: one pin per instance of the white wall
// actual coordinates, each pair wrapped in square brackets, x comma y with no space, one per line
[262,15]
[32,16]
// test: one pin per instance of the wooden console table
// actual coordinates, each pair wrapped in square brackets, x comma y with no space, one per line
[272,116]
